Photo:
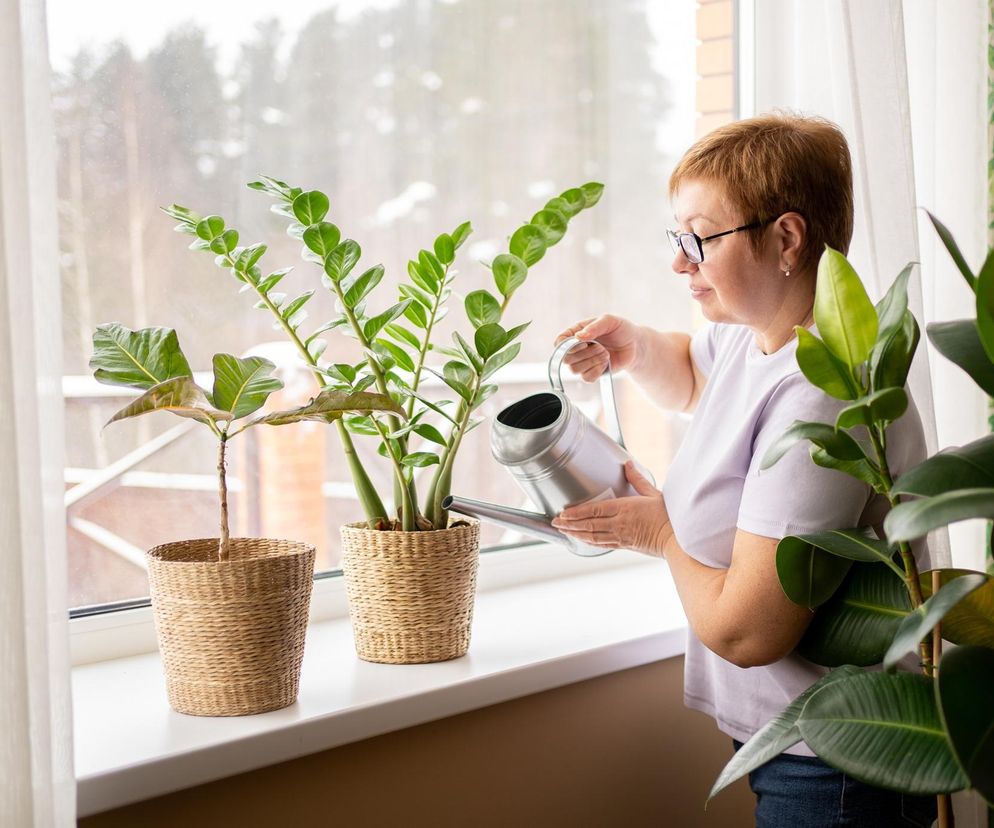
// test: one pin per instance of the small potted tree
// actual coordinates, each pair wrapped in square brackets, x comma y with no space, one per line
[410,572]
[230,613]
[924,733]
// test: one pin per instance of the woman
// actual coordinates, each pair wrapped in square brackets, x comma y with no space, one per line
[755,204]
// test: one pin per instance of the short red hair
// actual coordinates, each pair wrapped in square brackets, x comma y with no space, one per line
[780,163]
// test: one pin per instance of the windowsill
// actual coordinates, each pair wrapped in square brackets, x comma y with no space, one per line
[527,638]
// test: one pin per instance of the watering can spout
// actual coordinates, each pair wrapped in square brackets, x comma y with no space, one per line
[531,523]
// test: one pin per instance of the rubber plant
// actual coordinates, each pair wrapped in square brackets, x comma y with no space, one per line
[151,361]
[919,733]
[398,340]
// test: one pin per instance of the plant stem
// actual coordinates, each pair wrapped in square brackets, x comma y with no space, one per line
[422,354]
[443,479]
[224,544]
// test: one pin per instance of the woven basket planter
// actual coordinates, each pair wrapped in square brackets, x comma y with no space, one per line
[231,633]
[411,593]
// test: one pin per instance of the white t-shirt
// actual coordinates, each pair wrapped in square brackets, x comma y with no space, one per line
[714,487]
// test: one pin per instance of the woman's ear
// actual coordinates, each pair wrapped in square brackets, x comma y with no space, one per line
[791,233]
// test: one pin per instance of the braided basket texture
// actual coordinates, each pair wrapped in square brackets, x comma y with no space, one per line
[231,633]
[411,593]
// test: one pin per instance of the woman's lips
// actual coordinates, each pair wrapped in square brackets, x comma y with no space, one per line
[698,292]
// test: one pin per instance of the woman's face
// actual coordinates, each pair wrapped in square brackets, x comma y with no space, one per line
[733,284]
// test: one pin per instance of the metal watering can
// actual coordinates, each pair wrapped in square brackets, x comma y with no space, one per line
[557,455]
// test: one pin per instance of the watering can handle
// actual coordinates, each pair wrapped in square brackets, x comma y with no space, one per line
[606,383]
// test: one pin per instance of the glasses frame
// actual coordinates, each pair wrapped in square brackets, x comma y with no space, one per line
[695,255]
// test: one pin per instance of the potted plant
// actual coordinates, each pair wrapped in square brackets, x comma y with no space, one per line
[927,733]
[411,573]
[230,613]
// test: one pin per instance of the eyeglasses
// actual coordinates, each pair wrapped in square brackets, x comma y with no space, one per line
[692,245]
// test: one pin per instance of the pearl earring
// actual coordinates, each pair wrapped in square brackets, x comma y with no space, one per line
[786,271]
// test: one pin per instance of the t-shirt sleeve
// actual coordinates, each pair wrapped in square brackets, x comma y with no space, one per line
[704,346]
[795,496]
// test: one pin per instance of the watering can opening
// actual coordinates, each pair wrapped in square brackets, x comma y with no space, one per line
[534,412]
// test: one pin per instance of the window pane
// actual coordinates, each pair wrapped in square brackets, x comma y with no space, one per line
[412,117]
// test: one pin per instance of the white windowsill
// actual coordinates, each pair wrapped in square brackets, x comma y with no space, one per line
[527,638]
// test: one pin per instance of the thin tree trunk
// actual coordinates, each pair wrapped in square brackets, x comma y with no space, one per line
[224,545]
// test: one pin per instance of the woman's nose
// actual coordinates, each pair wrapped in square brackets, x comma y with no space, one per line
[681,264]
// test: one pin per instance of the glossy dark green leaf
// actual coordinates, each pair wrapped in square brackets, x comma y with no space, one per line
[426,282]
[420,459]
[399,355]
[860,469]
[461,233]
[808,575]
[469,352]
[775,736]
[429,432]
[868,725]
[961,467]
[985,305]
[482,308]
[822,368]
[836,443]
[242,386]
[592,191]
[331,405]
[959,342]
[321,238]
[401,334]
[179,395]
[552,224]
[273,279]
[574,199]
[954,251]
[922,620]
[499,360]
[509,273]
[289,312]
[889,368]
[339,263]
[458,371]
[445,249]
[966,676]
[431,265]
[884,406]
[917,518]
[225,243]
[484,394]
[356,288]
[460,388]
[489,339]
[248,257]
[971,621]
[136,359]
[311,207]
[857,624]
[846,318]
[373,326]
[416,315]
[210,228]
[528,244]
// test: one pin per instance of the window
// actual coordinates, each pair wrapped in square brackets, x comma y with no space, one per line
[412,117]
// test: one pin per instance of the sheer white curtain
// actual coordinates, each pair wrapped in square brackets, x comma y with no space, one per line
[37,786]
[846,60]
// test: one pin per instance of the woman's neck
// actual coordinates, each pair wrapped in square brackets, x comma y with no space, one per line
[779,330]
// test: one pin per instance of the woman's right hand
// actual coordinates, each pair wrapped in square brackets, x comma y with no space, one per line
[617,340]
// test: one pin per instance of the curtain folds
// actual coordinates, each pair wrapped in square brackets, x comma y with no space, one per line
[37,785]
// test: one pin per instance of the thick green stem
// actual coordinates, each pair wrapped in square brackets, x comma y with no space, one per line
[407,510]
[443,479]
[224,545]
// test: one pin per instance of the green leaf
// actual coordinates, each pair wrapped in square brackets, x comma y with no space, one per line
[868,725]
[552,224]
[434,406]
[248,257]
[857,624]
[482,308]
[458,371]
[891,309]
[373,326]
[509,273]
[484,394]
[360,425]
[960,467]
[400,356]
[327,326]
[985,305]
[355,289]
[884,406]
[136,359]
[420,459]
[916,518]
[966,676]
[341,260]
[429,432]
[954,251]
[273,279]
[774,737]
[846,318]
[424,281]
[860,469]
[295,305]
[971,621]
[808,575]
[822,368]
[471,355]
[516,331]
[591,193]
[499,360]
[528,244]
[242,386]
[959,342]
[419,296]
[310,207]
[431,265]
[226,242]
[330,405]
[575,201]
[180,395]
[401,334]
[461,233]
[445,249]
[321,238]
[890,367]
[489,339]
[460,388]
[836,443]
[210,228]
[922,620]
[416,315]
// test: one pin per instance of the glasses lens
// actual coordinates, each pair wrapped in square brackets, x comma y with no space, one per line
[691,248]
[674,240]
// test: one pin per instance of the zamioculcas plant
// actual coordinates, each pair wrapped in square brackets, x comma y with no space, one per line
[397,342]
[150,360]
[927,733]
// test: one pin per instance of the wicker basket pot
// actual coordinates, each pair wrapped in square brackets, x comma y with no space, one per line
[231,633]
[411,593]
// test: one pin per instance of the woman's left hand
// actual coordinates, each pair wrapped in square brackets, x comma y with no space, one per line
[640,522]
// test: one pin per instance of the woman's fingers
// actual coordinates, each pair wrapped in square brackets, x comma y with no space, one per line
[573,329]
[639,481]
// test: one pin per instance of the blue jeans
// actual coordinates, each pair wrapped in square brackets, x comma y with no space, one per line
[804,792]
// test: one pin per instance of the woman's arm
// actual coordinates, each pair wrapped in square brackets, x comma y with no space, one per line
[658,361]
